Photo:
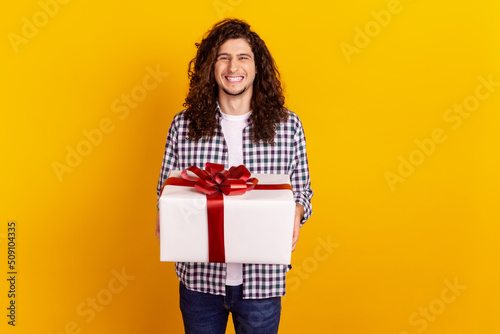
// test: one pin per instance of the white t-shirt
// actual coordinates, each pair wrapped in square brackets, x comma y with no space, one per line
[232,128]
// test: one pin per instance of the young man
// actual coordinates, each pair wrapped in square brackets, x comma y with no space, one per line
[235,115]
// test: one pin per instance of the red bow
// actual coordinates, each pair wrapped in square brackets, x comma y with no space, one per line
[215,178]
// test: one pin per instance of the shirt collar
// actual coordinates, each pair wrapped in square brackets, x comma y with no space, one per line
[219,114]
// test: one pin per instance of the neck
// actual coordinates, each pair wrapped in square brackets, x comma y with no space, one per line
[234,105]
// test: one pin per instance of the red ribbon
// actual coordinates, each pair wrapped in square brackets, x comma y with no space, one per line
[215,181]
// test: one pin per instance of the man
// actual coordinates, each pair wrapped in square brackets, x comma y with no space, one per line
[235,115]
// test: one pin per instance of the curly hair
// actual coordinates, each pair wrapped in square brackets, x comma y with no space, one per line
[267,103]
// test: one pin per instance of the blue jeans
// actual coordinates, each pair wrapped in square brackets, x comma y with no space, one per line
[204,313]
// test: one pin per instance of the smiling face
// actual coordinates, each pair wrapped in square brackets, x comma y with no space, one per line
[235,68]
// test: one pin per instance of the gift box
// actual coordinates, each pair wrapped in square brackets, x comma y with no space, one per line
[253,226]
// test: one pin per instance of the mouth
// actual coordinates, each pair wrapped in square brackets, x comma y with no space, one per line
[234,78]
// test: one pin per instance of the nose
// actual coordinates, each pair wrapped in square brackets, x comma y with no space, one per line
[233,65]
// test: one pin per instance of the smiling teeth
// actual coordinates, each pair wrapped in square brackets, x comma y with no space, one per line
[234,78]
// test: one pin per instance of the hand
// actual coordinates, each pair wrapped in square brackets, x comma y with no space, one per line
[158,225]
[299,214]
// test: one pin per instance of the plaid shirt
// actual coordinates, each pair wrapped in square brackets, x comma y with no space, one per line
[286,156]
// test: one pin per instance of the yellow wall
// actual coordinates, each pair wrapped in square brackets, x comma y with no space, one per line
[406,184]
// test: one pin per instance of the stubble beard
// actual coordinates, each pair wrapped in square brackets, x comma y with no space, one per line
[234,94]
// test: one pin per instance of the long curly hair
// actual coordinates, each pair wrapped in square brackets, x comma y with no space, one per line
[267,102]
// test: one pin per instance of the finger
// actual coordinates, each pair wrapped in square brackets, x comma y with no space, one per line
[295,239]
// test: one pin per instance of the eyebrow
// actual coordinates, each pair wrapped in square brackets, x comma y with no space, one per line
[239,54]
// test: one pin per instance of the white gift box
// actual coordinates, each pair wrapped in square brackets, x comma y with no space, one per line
[258,225]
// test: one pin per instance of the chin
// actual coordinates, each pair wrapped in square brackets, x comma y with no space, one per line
[234,93]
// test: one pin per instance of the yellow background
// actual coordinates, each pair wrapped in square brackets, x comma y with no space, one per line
[392,250]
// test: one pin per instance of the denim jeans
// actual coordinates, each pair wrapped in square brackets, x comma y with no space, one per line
[204,313]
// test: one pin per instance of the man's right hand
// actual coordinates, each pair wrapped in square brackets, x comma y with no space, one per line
[158,225]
